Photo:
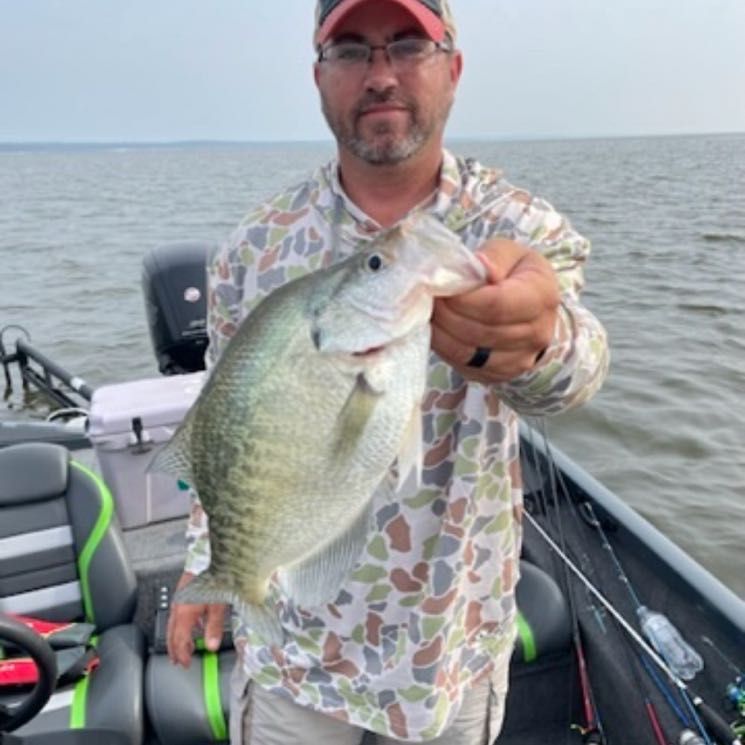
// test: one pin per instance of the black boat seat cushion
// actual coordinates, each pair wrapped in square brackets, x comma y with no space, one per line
[62,558]
[189,707]
[544,625]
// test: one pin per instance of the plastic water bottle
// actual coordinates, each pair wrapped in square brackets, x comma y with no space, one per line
[687,737]
[683,659]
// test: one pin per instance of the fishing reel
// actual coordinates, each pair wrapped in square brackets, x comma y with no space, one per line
[736,695]
[736,699]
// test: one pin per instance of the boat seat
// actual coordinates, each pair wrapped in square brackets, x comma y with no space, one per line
[62,558]
[544,624]
[189,707]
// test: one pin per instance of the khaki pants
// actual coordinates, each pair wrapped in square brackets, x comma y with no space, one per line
[258,717]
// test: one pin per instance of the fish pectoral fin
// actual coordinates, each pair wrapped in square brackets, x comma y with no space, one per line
[410,454]
[380,376]
[317,578]
[353,418]
[174,458]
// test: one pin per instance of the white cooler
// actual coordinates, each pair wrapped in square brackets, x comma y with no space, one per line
[154,407]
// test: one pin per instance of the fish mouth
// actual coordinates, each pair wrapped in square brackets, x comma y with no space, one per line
[369,351]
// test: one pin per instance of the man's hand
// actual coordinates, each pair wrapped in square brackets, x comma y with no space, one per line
[182,621]
[514,315]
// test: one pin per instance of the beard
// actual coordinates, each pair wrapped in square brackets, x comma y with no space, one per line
[386,148]
[384,145]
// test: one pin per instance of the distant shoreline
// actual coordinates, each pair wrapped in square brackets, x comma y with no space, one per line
[11,146]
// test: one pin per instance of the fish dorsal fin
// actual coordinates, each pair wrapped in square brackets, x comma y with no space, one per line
[410,453]
[318,578]
[174,458]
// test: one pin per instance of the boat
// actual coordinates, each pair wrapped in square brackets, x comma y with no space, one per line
[583,670]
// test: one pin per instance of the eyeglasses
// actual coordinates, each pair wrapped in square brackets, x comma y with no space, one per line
[402,54]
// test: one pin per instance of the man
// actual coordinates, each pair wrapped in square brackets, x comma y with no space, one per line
[416,645]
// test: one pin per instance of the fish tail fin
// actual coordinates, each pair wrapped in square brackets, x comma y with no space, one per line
[174,458]
[262,620]
[206,588]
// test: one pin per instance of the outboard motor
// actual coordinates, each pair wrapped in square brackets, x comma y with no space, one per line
[174,287]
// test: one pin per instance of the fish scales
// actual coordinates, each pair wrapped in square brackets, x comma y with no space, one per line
[273,461]
[311,403]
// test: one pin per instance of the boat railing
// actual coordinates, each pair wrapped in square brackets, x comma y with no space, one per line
[36,370]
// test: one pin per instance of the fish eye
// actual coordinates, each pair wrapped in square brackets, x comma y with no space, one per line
[374,262]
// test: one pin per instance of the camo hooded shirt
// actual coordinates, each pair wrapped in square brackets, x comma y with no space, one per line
[429,607]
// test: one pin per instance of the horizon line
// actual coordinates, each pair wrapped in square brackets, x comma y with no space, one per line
[329,141]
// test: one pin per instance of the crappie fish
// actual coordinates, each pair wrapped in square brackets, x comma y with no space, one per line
[311,403]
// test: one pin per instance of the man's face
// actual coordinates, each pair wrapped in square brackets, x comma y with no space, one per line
[381,113]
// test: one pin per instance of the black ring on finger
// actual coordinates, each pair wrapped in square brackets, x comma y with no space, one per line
[480,357]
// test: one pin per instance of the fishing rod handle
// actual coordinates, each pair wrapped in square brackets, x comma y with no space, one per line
[720,730]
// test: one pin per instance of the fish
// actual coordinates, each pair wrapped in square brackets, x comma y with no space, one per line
[315,405]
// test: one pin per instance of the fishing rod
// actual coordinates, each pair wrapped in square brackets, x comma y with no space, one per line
[633,661]
[649,706]
[664,637]
[715,722]
[740,675]
[592,732]
[587,568]
[695,703]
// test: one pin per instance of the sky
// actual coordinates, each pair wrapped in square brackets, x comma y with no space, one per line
[172,70]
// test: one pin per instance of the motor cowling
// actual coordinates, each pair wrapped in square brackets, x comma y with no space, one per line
[174,288]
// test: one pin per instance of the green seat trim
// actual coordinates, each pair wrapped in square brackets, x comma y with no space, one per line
[94,539]
[80,698]
[211,690]
[526,637]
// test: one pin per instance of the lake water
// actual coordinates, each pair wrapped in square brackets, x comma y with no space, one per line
[666,217]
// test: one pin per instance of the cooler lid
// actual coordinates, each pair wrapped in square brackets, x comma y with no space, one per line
[156,401]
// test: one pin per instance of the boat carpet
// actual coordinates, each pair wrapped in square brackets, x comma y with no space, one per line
[542,702]
[542,735]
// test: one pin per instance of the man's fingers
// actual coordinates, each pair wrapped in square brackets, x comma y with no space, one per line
[183,620]
[213,627]
[502,365]
[494,272]
[181,623]
[458,335]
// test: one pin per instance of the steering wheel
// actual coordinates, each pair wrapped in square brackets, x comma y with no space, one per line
[37,648]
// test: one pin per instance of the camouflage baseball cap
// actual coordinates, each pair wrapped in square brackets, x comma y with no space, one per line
[433,16]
